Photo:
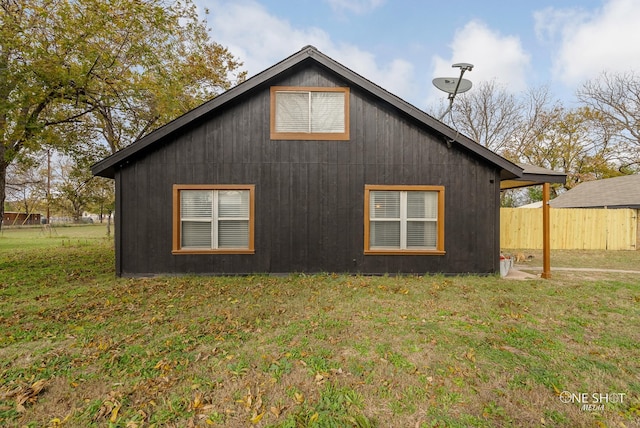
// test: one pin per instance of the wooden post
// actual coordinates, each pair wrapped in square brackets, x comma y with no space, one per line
[546,239]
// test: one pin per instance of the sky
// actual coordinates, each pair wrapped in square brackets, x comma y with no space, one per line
[401,45]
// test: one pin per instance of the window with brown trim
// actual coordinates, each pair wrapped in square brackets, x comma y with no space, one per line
[404,220]
[309,113]
[213,219]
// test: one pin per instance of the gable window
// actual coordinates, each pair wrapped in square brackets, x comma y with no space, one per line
[213,218]
[305,113]
[404,219]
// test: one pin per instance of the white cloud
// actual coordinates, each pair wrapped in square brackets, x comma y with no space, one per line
[494,56]
[396,76]
[355,6]
[260,40]
[589,43]
[550,22]
[256,37]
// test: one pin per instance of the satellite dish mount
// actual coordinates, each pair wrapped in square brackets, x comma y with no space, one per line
[454,85]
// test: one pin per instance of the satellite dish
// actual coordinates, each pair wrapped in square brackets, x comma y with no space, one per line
[454,85]
[451,86]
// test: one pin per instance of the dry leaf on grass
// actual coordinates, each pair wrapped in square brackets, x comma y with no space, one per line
[26,394]
[277,410]
[256,417]
[109,409]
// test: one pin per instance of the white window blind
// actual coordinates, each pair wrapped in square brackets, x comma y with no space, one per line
[292,112]
[403,220]
[310,112]
[233,218]
[385,219]
[196,207]
[214,219]
[327,112]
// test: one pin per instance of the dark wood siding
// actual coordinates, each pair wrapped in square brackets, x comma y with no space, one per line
[309,194]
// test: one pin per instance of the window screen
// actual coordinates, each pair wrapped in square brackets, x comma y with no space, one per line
[214,219]
[403,219]
[309,113]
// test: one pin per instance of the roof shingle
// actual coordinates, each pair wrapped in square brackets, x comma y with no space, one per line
[617,192]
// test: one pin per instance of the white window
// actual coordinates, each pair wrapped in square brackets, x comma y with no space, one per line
[213,218]
[309,113]
[404,219]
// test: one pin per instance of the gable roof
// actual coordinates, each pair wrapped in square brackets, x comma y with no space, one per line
[617,192]
[107,166]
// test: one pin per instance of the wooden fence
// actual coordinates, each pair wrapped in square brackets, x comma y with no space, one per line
[571,228]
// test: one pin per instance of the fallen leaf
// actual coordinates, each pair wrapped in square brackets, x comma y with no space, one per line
[258,403]
[276,410]
[197,402]
[256,417]
[114,414]
[26,394]
[299,397]
[471,355]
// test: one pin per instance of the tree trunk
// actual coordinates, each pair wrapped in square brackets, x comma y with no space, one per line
[3,181]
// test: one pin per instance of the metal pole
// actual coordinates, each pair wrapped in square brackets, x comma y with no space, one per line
[455,92]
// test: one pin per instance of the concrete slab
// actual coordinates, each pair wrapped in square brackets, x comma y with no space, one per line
[520,275]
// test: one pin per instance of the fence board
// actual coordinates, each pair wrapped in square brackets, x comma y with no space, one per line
[571,229]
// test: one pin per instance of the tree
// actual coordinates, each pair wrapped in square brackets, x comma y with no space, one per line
[26,185]
[573,142]
[64,61]
[163,84]
[616,98]
[500,120]
[535,129]
[102,200]
[489,115]
[72,188]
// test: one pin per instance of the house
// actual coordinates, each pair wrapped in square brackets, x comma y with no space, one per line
[619,229]
[20,219]
[306,167]
[616,192]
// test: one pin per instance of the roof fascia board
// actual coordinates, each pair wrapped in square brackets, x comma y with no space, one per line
[106,166]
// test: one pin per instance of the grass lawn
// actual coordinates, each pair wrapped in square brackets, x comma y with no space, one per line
[81,348]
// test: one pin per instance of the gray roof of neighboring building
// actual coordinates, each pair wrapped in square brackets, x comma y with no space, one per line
[617,192]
